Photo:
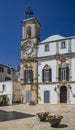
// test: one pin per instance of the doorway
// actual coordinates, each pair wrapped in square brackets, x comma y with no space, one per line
[46,96]
[63,94]
[28,96]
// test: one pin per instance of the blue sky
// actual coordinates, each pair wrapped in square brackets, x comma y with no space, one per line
[55,17]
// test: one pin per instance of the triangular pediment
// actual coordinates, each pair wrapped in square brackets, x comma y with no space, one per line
[53,38]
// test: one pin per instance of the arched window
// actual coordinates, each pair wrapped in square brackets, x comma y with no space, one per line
[28,32]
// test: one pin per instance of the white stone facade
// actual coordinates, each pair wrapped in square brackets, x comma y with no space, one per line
[47,67]
[6,88]
[57,56]
[7,73]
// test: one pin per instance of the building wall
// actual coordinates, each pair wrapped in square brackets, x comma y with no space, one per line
[57,57]
[50,88]
[70,47]
[17,91]
[8,90]
[64,50]
[73,68]
[33,86]
[42,52]
[73,45]
[52,64]
[4,74]
[72,94]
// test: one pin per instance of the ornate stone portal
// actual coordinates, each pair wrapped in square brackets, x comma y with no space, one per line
[63,88]
[65,94]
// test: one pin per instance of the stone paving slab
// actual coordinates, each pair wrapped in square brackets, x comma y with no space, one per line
[66,124]
[32,123]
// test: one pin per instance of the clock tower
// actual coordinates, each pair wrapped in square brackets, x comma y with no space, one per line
[28,58]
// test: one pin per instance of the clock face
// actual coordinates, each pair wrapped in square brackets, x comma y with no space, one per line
[28,49]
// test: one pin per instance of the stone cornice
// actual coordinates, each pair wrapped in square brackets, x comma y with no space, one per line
[60,83]
[28,60]
[58,56]
[31,20]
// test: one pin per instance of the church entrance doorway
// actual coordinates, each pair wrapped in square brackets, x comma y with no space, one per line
[63,94]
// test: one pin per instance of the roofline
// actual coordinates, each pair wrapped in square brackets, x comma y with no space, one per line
[32,18]
[8,66]
[64,38]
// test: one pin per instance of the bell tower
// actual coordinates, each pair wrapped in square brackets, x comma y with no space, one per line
[28,58]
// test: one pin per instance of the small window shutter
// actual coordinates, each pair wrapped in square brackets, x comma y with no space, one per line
[43,75]
[50,74]
[31,75]
[67,73]
[25,75]
[59,74]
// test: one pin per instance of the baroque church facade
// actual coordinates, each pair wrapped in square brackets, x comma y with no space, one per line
[47,67]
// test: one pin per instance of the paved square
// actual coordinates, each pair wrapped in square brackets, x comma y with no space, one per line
[23,117]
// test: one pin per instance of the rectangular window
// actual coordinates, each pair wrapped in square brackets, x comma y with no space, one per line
[63,44]
[46,75]
[9,71]
[28,76]
[47,47]
[63,74]
[1,69]
[7,78]
[3,87]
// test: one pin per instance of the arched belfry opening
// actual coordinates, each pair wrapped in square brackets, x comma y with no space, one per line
[63,94]
[28,32]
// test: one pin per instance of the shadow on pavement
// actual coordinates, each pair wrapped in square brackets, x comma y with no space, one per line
[13,115]
[61,126]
